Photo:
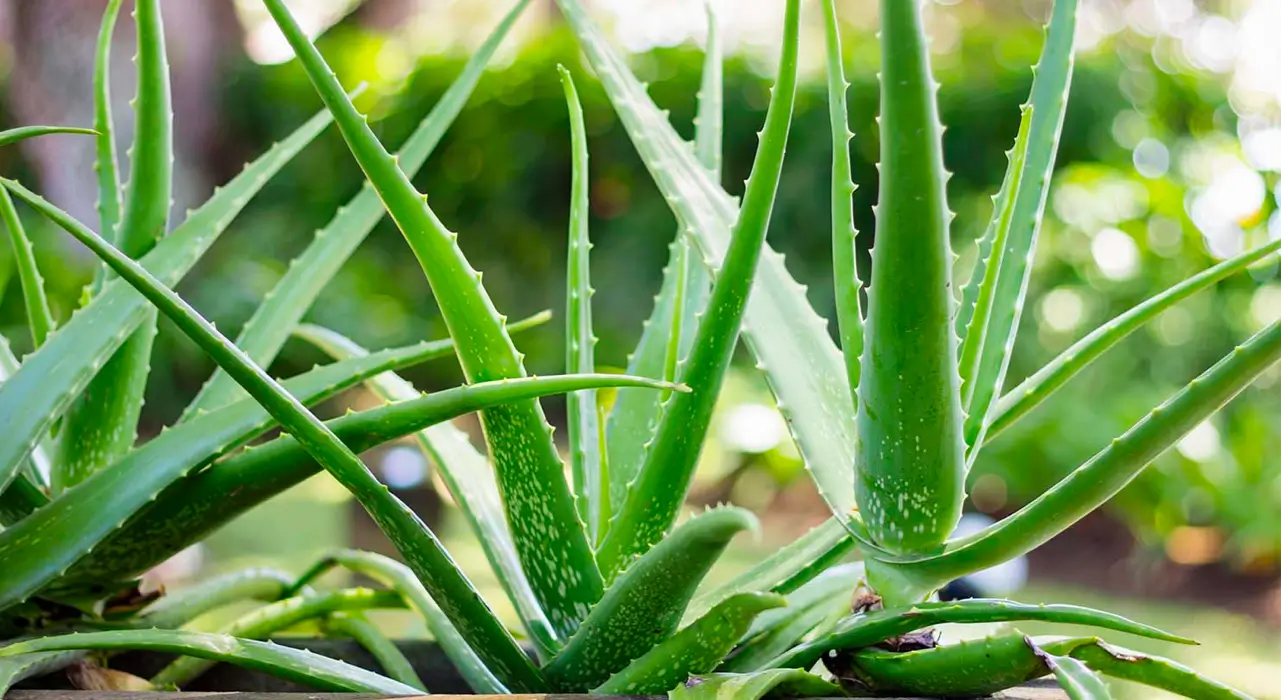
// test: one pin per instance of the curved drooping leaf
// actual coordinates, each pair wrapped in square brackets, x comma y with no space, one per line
[397,576]
[1153,671]
[297,665]
[365,633]
[102,425]
[644,605]
[266,331]
[970,668]
[694,650]
[654,500]
[22,133]
[549,537]
[866,629]
[50,378]
[469,479]
[280,615]
[779,682]
[176,609]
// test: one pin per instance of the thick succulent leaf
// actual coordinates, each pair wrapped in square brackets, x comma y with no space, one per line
[550,539]
[177,609]
[1153,671]
[785,570]
[668,333]
[15,669]
[22,497]
[846,282]
[102,424]
[194,507]
[827,598]
[779,682]
[470,481]
[39,318]
[105,164]
[1038,387]
[296,665]
[399,578]
[586,457]
[1076,679]
[1026,206]
[694,650]
[644,605]
[22,133]
[1093,483]
[49,379]
[971,668]
[414,540]
[870,628]
[655,499]
[269,619]
[788,339]
[365,633]
[265,333]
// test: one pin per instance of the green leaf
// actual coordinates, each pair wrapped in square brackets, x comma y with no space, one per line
[586,456]
[265,333]
[867,629]
[1075,678]
[15,669]
[654,500]
[846,282]
[1093,483]
[177,609]
[105,165]
[1153,671]
[782,682]
[909,419]
[787,338]
[103,423]
[407,532]
[49,379]
[385,651]
[1011,265]
[550,539]
[22,133]
[970,668]
[269,619]
[392,660]
[296,665]
[644,605]
[39,318]
[470,481]
[694,650]
[1038,387]
[22,497]
[399,578]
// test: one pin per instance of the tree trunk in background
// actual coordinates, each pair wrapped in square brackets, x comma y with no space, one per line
[51,82]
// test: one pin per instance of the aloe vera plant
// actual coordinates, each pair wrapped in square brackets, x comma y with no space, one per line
[603,572]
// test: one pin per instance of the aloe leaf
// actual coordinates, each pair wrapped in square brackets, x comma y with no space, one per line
[1096,481]
[15,669]
[644,605]
[550,539]
[787,338]
[204,501]
[176,609]
[470,481]
[654,500]
[1074,677]
[1038,387]
[393,661]
[399,578]
[265,333]
[694,650]
[586,458]
[105,165]
[870,628]
[786,569]
[425,554]
[970,668]
[668,333]
[103,424]
[779,682]
[49,379]
[846,282]
[22,497]
[281,615]
[22,133]
[1153,671]
[39,318]
[292,664]
[1048,102]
